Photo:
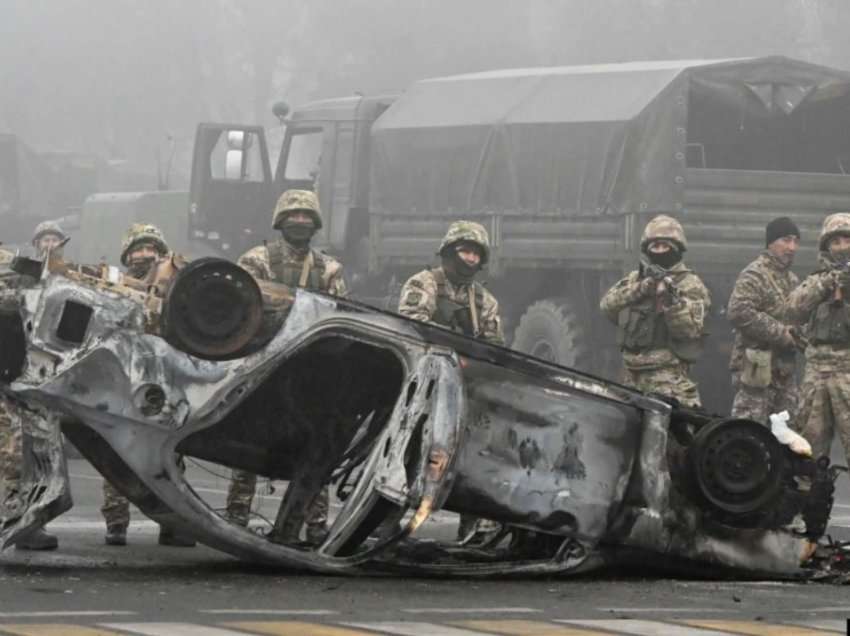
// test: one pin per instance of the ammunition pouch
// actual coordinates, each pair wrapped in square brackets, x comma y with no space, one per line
[454,316]
[757,371]
[830,324]
[641,328]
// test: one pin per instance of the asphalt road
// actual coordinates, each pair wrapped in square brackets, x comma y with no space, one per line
[88,588]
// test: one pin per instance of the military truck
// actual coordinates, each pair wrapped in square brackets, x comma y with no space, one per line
[564,166]
[39,185]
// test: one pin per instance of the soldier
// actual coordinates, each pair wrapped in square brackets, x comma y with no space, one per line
[660,310]
[765,349]
[444,295]
[48,236]
[820,303]
[142,247]
[13,417]
[291,261]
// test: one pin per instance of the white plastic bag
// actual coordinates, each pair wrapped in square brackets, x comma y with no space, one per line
[796,442]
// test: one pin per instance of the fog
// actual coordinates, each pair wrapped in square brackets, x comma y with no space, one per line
[128,80]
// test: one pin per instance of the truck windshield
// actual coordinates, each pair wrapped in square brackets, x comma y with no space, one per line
[304,155]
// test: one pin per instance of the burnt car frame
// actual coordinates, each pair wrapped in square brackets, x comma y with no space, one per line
[402,419]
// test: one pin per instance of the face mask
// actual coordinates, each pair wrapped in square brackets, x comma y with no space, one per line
[297,233]
[139,267]
[666,259]
[841,256]
[458,270]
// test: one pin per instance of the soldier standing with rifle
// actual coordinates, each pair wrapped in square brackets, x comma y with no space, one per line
[142,248]
[660,311]
[821,303]
[290,261]
[14,416]
[765,349]
[450,296]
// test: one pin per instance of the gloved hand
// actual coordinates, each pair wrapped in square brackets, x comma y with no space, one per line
[647,287]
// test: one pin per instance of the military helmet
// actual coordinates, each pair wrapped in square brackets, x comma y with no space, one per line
[833,225]
[664,227]
[142,233]
[297,201]
[48,227]
[471,232]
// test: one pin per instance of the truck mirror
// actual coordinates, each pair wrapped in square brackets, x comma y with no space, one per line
[280,110]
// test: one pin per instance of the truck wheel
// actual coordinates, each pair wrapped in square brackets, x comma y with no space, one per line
[552,330]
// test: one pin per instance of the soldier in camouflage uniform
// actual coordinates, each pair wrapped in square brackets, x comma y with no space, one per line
[444,295]
[660,311]
[821,304]
[13,417]
[48,236]
[765,349]
[142,247]
[291,261]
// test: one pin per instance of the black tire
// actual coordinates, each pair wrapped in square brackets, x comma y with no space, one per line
[552,330]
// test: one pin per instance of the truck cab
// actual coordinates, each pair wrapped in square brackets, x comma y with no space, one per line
[325,148]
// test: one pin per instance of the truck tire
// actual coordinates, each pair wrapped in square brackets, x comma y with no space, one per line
[552,330]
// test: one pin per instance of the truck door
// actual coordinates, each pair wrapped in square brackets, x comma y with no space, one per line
[231,192]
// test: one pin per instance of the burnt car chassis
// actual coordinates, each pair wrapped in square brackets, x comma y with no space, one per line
[401,419]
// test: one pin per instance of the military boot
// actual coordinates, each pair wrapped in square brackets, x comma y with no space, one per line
[116,534]
[175,538]
[317,533]
[237,515]
[38,540]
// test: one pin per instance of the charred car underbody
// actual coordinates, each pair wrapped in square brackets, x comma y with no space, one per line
[401,419]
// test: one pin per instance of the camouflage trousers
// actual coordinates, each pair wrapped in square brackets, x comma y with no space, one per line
[757,403]
[670,380]
[116,507]
[825,409]
[11,451]
[240,495]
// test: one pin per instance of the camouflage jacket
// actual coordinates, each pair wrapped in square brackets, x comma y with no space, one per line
[685,320]
[816,289]
[421,293]
[758,312]
[257,262]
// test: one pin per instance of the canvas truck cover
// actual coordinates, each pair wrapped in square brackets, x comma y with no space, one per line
[602,139]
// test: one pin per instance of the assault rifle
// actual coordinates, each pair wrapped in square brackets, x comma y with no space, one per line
[666,292]
[842,267]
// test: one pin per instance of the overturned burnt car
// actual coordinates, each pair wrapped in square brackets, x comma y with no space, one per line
[401,419]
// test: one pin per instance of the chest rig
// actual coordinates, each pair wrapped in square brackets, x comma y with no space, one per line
[642,327]
[830,324]
[309,273]
[464,318]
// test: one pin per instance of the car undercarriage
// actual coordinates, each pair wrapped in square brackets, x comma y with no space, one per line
[400,419]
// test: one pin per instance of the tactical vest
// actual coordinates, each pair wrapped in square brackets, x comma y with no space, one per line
[456,316]
[830,324]
[640,327]
[289,273]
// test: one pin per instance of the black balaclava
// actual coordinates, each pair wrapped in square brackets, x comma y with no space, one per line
[139,268]
[839,256]
[665,259]
[296,233]
[458,270]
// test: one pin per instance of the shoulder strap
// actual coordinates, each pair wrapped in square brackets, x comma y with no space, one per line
[305,270]
[473,311]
